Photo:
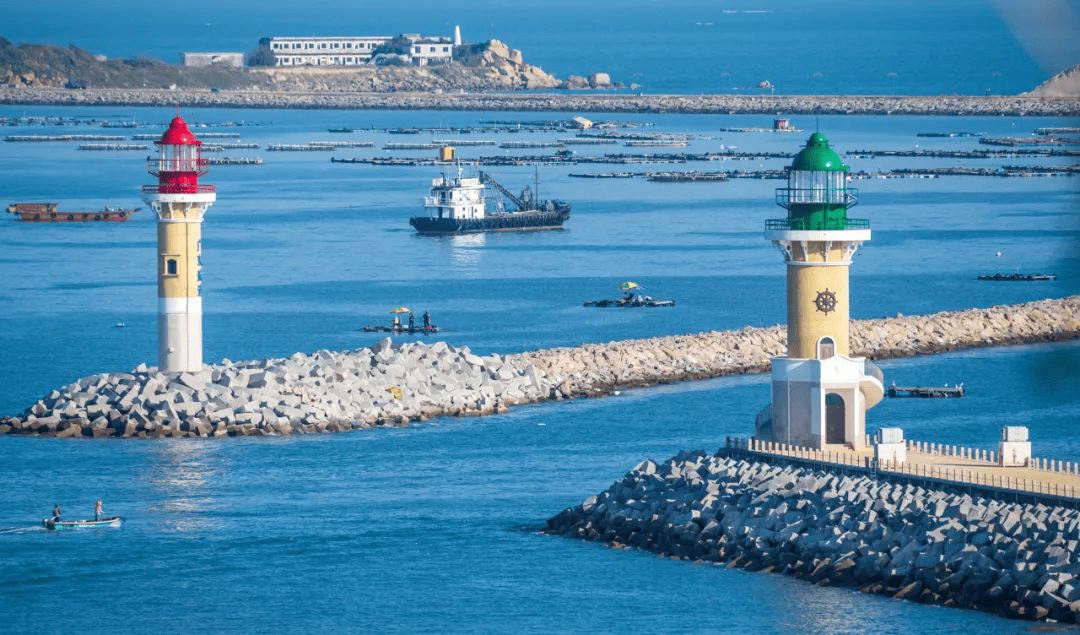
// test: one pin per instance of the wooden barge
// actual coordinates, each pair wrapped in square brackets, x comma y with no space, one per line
[49,213]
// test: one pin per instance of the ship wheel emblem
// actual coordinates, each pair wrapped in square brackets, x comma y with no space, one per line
[825,301]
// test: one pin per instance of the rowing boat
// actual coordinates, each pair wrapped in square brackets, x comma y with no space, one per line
[111,521]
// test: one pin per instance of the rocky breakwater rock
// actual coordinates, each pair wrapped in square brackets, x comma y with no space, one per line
[595,369]
[1018,560]
[904,336]
[385,92]
[387,384]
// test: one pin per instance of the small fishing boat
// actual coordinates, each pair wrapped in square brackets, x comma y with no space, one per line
[111,521]
[631,299]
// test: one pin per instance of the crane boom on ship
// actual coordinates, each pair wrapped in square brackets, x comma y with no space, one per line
[516,200]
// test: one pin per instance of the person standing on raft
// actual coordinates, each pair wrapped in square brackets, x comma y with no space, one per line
[56,513]
[97,511]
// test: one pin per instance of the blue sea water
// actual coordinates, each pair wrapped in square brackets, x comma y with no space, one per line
[434,528]
[905,47]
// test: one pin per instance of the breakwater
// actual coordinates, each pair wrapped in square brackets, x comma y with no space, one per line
[901,540]
[552,102]
[394,383]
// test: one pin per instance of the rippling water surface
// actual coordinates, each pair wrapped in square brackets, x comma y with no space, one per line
[434,528]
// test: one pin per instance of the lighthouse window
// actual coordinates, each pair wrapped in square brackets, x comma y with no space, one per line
[170,267]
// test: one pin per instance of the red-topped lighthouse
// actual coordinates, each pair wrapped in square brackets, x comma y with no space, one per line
[179,202]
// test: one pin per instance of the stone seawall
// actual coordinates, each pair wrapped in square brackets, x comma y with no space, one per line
[392,384]
[592,368]
[1017,560]
[553,102]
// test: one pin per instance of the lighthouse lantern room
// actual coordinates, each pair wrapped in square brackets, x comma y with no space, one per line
[179,203]
[820,393]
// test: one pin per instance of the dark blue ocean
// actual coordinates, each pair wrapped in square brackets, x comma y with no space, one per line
[905,47]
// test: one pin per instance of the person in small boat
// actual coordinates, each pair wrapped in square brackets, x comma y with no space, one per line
[97,511]
[56,513]
[427,320]
[397,321]
[412,321]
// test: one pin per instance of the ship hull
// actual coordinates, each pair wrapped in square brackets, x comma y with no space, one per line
[507,222]
[48,213]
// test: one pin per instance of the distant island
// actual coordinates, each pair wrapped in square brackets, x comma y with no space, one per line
[487,66]
[488,76]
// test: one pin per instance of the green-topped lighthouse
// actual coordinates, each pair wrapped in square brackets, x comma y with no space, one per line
[819,392]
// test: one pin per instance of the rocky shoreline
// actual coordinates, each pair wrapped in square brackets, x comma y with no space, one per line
[550,102]
[395,383]
[902,541]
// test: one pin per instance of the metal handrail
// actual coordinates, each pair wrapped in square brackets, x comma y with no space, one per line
[847,196]
[157,189]
[804,224]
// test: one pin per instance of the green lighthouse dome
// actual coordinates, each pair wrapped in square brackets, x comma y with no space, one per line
[817,156]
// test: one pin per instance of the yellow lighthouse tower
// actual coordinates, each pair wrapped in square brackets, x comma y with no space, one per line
[179,202]
[820,393]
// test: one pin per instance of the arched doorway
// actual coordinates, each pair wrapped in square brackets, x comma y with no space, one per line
[834,418]
[826,348]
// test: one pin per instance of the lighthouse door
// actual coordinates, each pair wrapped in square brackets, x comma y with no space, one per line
[834,418]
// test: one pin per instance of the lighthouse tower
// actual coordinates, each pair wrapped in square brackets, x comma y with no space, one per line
[179,203]
[820,393]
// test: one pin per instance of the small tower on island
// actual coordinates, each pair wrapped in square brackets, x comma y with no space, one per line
[820,393]
[179,202]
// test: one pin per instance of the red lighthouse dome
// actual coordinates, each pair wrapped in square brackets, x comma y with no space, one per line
[179,164]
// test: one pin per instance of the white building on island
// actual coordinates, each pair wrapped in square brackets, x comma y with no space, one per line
[322,51]
[352,51]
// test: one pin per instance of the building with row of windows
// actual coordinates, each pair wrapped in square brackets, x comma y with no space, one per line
[352,51]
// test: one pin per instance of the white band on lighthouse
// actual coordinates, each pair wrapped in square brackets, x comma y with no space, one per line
[180,305]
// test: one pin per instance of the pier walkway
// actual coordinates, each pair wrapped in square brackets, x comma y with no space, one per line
[934,466]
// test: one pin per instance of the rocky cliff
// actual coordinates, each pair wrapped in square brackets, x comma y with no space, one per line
[1064,84]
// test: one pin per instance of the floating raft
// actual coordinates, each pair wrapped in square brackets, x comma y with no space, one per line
[299,147]
[656,143]
[463,142]
[229,145]
[219,135]
[517,145]
[1020,277]
[411,146]
[1056,131]
[754,129]
[64,137]
[925,391]
[343,144]
[590,141]
[114,147]
[687,177]
[234,161]
[951,134]
[401,328]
